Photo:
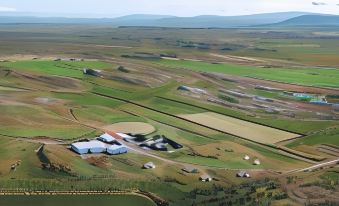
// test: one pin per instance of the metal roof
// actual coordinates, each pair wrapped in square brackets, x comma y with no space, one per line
[106,137]
[113,147]
[89,145]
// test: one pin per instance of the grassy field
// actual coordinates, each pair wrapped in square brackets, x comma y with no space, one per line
[247,130]
[131,127]
[43,100]
[311,77]
[128,200]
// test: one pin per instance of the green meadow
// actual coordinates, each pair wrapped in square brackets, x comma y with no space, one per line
[303,76]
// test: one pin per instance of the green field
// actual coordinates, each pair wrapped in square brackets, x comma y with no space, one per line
[309,76]
[46,105]
[104,200]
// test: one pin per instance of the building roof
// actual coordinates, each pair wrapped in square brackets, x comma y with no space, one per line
[124,135]
[114,147]
[89,145]
[190,169]
[149,165]
[205,177]
[106,137]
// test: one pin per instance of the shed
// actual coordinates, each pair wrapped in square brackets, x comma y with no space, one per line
[89,147]
[117,149]
[149,165]
[190,169]
[246,157]
[106,138]
[257,162]
[205,178]
[243,174]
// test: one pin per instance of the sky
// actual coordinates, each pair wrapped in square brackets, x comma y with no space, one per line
[114,8]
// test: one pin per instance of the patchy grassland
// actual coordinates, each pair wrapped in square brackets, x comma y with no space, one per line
[310,77]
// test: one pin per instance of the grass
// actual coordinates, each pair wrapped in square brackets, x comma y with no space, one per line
[24,121]
[329,137]
[43,67]
[104,200]
[323,77]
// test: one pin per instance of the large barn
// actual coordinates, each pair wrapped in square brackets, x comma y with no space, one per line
[89,147]
[117,149]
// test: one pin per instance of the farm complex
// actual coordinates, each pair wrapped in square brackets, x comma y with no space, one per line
[173,116]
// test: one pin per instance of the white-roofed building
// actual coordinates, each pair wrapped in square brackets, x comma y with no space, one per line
[117,149]
[89,147]
[149,165]
[125,136]
[106,138]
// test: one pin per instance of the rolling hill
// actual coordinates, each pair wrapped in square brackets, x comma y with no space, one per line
[311,20]
[205,21]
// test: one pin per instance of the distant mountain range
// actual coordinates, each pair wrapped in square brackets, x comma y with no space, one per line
[206,21]
[311,20]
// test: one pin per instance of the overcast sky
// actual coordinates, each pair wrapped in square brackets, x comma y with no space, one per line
[112,8]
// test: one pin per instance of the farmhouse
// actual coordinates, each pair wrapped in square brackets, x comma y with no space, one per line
[106,138]
[89,147]
[117,149]
[205,178]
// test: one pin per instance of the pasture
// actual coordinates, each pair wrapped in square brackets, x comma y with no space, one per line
[302,76]
[247,130]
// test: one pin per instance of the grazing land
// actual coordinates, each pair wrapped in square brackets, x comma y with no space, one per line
[248,130]
[193,103]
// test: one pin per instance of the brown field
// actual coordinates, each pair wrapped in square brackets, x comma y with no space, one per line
[131,127]
[248,130]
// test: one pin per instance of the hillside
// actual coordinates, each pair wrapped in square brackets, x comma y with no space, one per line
[204,21]
[311,20]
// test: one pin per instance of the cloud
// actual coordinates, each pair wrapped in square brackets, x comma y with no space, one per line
[4,8]
[318,3]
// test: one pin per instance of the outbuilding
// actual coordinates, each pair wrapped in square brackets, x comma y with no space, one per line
[205,178]
[89,147]
[106,138]
[243,174]
[257,162]
[149,165]
[190,169]
[117,149]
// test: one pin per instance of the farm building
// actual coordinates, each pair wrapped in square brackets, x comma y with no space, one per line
[149,165]
[257,162]
[117,149]
[243,174]
[174,144]
[205,178]
[89,147]
[159,146]
[190,169]
[192,89]
[125,136]
[106,138]
[246,157]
